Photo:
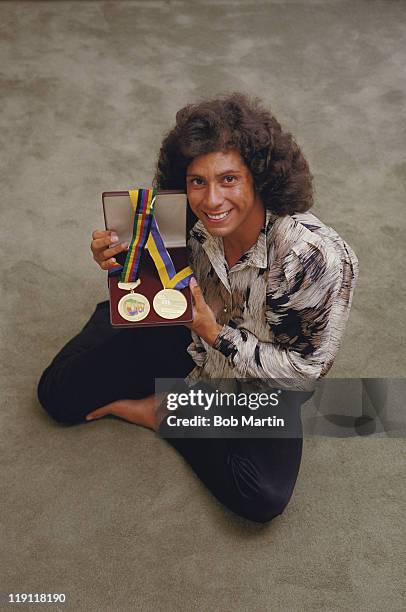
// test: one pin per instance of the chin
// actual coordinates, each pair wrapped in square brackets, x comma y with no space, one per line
[219,231]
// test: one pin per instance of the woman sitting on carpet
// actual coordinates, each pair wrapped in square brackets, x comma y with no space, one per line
[272,292]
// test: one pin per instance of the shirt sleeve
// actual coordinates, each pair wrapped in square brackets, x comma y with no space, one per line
[197,350]
[307,305]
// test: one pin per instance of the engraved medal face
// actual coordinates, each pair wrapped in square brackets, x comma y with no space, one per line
[169,303]
[134,307]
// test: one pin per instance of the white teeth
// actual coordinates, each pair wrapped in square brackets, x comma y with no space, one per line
[221,216]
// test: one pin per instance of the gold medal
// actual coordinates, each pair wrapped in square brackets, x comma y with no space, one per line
[169,303]
[134,307]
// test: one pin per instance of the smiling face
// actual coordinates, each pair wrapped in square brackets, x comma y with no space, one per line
[221,193]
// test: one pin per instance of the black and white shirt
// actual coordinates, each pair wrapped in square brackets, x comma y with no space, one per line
[283,306]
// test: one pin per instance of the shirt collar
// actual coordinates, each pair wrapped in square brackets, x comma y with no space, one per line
[256,256]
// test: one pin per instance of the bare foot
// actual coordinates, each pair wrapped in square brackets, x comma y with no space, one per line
[141,412]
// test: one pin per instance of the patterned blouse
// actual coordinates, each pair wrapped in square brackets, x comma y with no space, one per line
[283,305]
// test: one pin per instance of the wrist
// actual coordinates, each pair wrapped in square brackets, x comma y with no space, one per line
[213,333]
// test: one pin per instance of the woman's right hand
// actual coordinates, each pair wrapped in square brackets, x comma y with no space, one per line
[104,246]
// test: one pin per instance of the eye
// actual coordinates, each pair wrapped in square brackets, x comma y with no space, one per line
[230,178]
[197,180]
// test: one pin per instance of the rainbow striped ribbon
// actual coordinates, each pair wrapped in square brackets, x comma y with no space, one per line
[143,201]
[146,233]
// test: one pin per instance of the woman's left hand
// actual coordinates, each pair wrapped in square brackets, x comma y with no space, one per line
[204,322]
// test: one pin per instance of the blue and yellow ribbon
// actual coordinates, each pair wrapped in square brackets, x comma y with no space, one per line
[170,279]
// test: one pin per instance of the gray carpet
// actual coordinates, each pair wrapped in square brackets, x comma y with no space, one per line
[106,512]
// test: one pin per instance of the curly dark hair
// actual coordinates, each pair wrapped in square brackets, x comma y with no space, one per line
[234,121]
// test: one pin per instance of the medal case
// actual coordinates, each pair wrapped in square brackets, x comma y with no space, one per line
[173,218]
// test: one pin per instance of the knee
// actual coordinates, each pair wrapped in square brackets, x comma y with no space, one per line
[257,499]
[53,403]
[264,506]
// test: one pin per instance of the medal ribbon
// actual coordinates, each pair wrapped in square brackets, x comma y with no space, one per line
[143,201]
[170,279]
[146,233]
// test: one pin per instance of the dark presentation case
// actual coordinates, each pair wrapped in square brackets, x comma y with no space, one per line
[171,216]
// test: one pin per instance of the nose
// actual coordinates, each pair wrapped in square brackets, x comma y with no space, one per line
[215,197]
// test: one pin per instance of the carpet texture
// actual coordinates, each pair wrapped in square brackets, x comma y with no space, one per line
[106,512]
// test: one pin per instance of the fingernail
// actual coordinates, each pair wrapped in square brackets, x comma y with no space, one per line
[114,238]
[113,260]
[125,245]
[193,282]
[89,418]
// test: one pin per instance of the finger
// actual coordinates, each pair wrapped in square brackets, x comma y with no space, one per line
[107,235]
[99,244]
[100,233]
[197,293]
[109,264]
[123,246]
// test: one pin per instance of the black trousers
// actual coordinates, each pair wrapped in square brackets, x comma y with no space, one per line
[253,477]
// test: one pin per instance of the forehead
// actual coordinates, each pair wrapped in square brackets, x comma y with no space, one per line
[217,162]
